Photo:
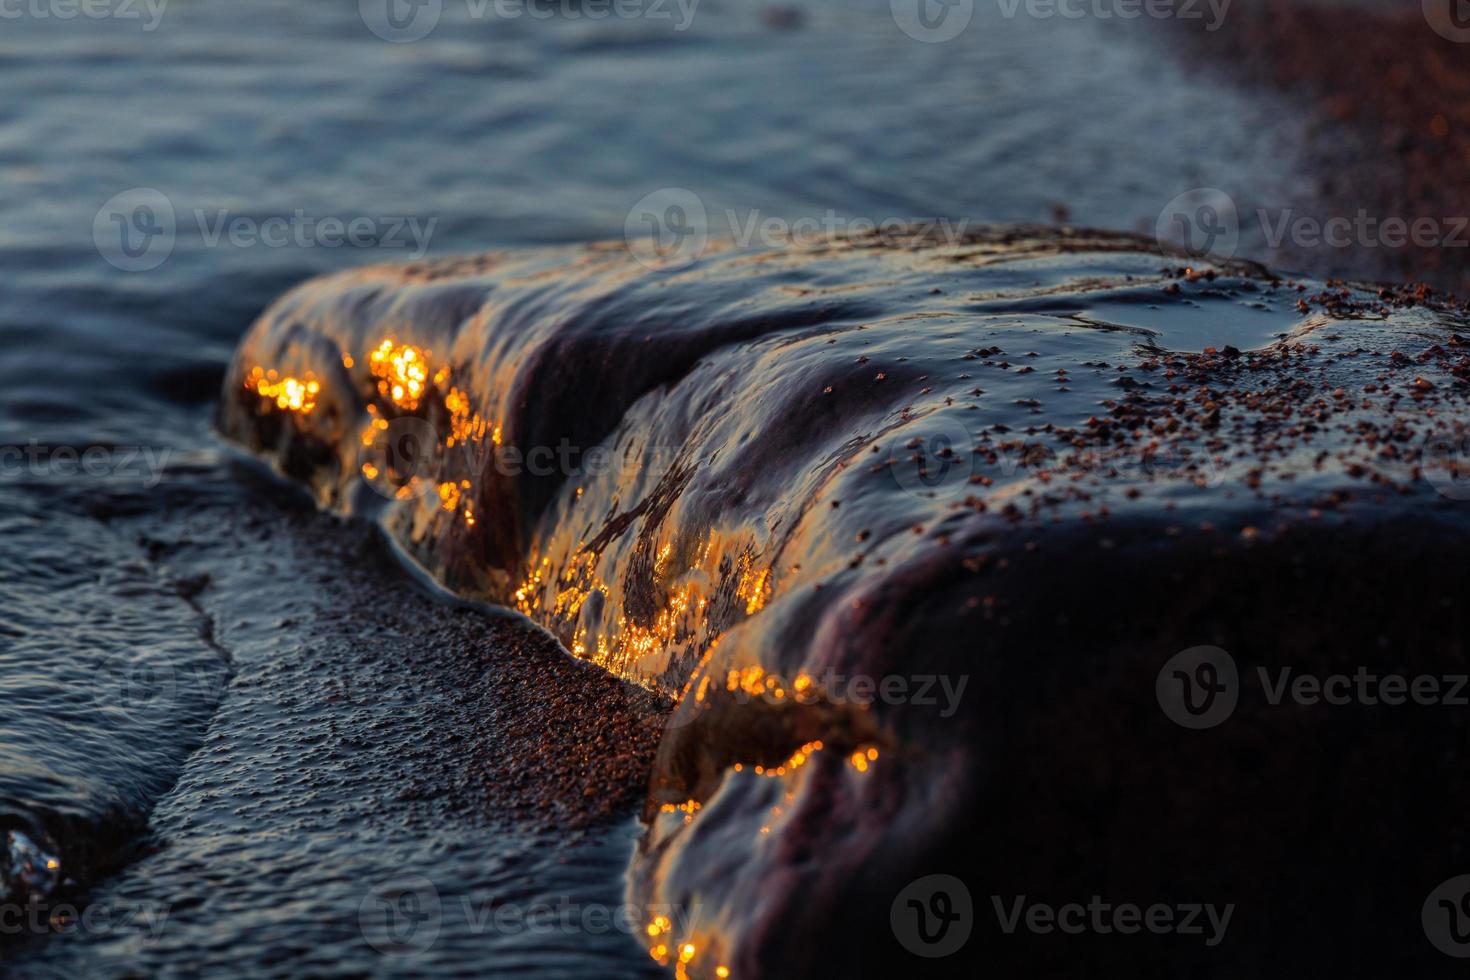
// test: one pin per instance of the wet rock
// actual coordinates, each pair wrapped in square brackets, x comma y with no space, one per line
[27,871]
[957,670]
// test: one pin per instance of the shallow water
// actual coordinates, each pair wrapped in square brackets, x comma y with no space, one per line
[502,133]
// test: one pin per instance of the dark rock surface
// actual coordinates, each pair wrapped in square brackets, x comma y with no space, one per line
[1030,470]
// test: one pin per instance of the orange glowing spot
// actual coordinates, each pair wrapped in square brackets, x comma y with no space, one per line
[754,588]
[722,972]
[449,494]
[688,808]
[402,373]
[287,394]
[686,952]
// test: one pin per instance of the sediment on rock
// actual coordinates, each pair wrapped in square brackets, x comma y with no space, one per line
[1034,465]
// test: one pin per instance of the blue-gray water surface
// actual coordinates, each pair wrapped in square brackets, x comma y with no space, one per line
[175,686]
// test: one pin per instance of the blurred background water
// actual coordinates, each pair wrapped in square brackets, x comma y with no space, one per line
[504,125]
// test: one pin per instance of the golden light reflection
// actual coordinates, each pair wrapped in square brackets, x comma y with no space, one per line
[464,423]
[689,808]
[680,954]
[287,394]
[682,620]
[449,494]
[753,588]
[402,372]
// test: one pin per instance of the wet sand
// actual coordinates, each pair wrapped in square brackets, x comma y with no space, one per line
[1389,126]
[368,733]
